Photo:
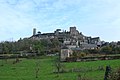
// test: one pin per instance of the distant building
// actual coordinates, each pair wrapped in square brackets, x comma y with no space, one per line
[118,43]
[72,39]
[65,52]
[89,46]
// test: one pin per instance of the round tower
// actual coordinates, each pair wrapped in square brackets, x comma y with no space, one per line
[34,31]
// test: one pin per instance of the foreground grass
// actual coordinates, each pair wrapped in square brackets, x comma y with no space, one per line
[25,69]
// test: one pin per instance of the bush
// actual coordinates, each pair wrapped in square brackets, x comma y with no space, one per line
[114,75]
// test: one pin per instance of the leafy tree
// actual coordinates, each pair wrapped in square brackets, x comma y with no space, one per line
[114,75]
[107,72]
[106,49]
[59,67]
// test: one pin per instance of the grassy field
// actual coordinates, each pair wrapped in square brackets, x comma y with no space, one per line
[25,69]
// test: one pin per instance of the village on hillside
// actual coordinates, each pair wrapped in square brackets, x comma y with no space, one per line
[70,45]
[61,54]
[73,41]
[70,39]
[59,40]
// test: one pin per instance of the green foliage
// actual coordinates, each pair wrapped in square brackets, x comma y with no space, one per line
[78,54]
[107,72]
[81,77]
[38,47]
[106,49]
[7,47]
[29,45]
[110,49]
[25,69]
[114,75]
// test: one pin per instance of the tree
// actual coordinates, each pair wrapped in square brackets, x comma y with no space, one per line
[37,68]
[38,47]
[114,75]
[107,73]
[106,49]
[59,67]
[5,50]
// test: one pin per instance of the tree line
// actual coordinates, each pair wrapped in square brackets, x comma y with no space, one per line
[29,45]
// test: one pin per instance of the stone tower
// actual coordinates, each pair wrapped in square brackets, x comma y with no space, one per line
[34,31]
[73,31]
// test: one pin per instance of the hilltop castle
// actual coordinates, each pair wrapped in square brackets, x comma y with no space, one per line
[72,38]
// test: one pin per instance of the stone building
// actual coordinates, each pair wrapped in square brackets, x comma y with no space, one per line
[72,38]
[65,52]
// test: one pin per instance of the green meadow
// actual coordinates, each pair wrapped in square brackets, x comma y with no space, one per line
[26,69]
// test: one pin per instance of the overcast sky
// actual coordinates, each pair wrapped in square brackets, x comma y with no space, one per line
[91,17]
